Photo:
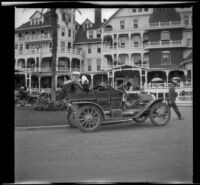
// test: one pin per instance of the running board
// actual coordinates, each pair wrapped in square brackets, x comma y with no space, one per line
[115,121]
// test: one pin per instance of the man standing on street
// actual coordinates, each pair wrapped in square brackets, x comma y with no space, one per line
[172,99]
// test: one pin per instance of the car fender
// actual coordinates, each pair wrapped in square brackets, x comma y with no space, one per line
[151,103]
[75,108]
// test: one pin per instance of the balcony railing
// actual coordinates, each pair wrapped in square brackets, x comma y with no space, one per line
[64,69]
[170,43]
[46,51]
[167,85]
[47,69]
[169,24]
[35,37]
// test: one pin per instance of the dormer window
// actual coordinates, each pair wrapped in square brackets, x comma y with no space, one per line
[90,34]
[122,25]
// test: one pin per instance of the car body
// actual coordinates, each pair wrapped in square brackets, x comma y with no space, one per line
[87,110]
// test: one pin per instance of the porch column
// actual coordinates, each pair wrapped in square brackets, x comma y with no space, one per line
[142,56]
[30,80]
[39,81]
[70,64]
[56,81]
[146,78]
[142,39]
[92,83]
[25,79]
[167,75]
[117,41]
[140,78]
[129,58]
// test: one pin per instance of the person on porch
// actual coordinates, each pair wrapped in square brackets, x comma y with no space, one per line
[172,100]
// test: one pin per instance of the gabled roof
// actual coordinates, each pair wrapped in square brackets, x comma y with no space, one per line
[87,20]
[81,36]
[110,18]
[35,13]
[28,25]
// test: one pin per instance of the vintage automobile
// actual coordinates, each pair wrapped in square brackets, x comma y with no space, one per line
[87,110]
[28,98]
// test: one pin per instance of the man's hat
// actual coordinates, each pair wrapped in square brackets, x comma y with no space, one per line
[75,73]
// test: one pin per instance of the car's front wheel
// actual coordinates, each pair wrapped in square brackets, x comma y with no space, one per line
[88,118]
[160,114]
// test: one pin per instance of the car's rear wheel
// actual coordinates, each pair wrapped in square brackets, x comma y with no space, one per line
[88,118]
[71,119]
[160,114]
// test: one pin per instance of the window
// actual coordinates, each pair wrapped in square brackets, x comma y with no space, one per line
[42,31]
[69,44]
[165,35]
[19,35]
[99,49]
[16,46]
[135,23]
[165,58]
[186,20]
[89,65]
[98,64]
[139,9]
[133,10]
[69,33]
[98,35]
[50,45]
[69,18]
[63,32]
[122,25]
[146,9]
[21,46]
[90,34]
[62,45]
[27,46]
[89,48]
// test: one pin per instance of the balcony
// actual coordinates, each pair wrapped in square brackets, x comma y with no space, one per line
[170,24]
[164,44]
[32,38]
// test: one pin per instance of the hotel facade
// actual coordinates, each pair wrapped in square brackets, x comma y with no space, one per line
[134,44]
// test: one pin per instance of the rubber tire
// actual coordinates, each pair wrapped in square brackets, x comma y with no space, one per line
[71,120]
[141,121]
[153,108]
[78,114]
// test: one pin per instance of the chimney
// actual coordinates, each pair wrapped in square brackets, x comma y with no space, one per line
[97,16]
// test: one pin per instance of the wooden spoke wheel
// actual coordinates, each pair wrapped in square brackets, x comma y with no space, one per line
[160,114]
[88,118]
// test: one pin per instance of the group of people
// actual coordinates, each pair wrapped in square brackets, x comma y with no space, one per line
[77,78]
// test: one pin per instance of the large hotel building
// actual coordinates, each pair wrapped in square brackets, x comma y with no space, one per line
[138,45]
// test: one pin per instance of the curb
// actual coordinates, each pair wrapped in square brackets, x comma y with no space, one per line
[41,128]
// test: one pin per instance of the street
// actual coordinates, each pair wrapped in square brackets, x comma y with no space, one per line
[128,152]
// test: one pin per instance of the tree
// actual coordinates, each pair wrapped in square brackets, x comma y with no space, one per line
[54,30]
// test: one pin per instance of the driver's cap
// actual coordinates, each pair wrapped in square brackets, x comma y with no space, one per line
[75,73]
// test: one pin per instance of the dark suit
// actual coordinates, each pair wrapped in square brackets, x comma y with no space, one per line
[172,99]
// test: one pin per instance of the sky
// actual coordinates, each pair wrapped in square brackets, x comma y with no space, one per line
[22,15]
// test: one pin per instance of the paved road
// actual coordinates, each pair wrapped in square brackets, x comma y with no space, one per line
[120,153]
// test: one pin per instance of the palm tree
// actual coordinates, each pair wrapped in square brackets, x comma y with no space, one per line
[54,30]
